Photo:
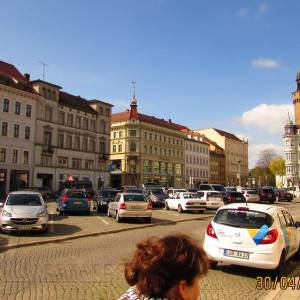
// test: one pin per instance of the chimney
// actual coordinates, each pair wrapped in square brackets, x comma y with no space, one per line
[170,121]
[27,76]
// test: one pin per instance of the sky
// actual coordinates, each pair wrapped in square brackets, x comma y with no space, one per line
[225,64]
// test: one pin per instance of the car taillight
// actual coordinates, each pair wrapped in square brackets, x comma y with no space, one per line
[270,237]
[264,194]
[65,199]
[122,205]
[149,205]
[211,232]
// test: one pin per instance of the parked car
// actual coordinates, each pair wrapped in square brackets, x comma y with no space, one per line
[230,189]
[232,197]
[284,194]
[253,235]
[24,211]
[185,201]
[251,196]
[73,200]
[192,190]
[156,196]
[131,189]
[130,205]
[213,187]
[102,199]
[267,194]
[212,199]
[173,191]
[46,192]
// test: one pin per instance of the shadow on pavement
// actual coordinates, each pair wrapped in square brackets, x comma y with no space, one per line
[57,217]
[3,243]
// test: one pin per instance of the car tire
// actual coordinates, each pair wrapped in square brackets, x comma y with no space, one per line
[60,212]
[167,206]
[281,268]
[213,264]
[45,230]
[118,219]
[180,210]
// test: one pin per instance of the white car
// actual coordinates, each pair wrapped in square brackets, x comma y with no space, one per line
[253,235]
[251,196]
[212,199]
[185,202]
[172,192]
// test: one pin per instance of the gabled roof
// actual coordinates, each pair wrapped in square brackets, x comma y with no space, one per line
[76,102]
[11,76]
[228,135]
[46,82]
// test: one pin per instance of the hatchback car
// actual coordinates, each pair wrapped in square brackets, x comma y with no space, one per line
[186,202]
[130,205]
[24,211]
[232,197]
[267,195]
[284,195]
[212,199]
[73,200]
[251,196]
[253,235]
[102,199]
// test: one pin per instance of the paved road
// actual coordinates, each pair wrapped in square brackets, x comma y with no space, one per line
[91,268]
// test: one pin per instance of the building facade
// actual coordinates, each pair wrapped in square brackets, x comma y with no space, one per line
[72,138]
[18,103]
[236,155]
[145,149]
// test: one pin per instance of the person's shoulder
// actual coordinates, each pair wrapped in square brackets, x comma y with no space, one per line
[131,294]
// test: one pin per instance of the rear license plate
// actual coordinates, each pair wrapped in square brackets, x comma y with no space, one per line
[77,202]
[237,254]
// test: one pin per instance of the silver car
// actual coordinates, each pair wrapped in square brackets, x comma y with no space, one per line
[24,211]
[130,205]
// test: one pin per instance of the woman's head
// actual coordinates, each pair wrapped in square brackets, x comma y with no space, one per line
[167,267]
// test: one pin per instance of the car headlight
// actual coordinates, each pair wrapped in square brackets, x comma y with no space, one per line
[42,214]
[6,213]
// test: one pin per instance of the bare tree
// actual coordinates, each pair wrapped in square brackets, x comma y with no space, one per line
[265,157]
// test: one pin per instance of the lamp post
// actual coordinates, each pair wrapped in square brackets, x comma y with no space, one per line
[239,172]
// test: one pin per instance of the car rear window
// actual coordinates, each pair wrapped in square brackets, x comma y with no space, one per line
[267,190]
[134,197]
[26,199]
[243,218]
[108,194]
[80,195]
[218,187]
[212,194]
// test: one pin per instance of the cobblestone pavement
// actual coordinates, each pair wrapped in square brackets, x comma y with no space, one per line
[91,268]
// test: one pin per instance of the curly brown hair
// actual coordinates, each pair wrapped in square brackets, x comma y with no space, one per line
[158,264]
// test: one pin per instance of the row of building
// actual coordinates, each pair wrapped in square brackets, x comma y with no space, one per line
[48,135]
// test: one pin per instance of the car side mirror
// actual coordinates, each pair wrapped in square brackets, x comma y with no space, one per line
[297,224]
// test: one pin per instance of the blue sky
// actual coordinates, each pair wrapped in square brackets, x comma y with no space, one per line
[224,64]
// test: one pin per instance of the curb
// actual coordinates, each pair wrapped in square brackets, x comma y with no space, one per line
[90,234]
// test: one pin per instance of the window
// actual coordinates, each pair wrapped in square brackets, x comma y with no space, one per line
[47,138]
[2,155]
[77,121]
[133,133]
[26,157]
[102,126]
[70,120]
[101,110]
[145,149]
[92,125]
[16,130]
[88,164]
[14,159]
[107,112]
[69,142]
[44,92]
[28,110]
[114,148]
[119,148]
[102,147]
[150,136]
[4,128]
[114,134]
[120,134]
[84,144]
[46,160]
[17,108]
[77,142]
[53,95]
[145,133]
[63,162]
[60,140]
[48,114]
[92,145]
[27,133]
[61,117]
[85,123]
[48,94]
[76,163]
[6,105]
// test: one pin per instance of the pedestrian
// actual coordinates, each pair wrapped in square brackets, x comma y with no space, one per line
[166,268]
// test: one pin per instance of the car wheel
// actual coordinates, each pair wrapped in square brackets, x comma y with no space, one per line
[148,220]
[180,210]
[45,230]
[118,219]
[213,264]
[57,209]
[60,212]
[167,206]
[281,268]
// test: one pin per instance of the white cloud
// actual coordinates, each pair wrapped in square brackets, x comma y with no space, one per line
[256,149]
[265,63]
[243,12]
[263,8]
[270,118]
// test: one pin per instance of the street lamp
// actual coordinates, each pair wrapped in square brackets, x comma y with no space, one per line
[239,171]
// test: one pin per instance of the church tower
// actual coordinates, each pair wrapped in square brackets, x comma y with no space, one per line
[296,100]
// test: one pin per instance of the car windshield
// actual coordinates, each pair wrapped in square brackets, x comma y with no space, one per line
[77,195]
[243,218]
[24,199]
[267,190]
[108,194]
[219,188]
[157,191]
[134,197]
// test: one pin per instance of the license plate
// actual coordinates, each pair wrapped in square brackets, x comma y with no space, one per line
[237,254]
[25,227]
[77,202]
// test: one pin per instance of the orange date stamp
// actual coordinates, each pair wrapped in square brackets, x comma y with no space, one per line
[267,283]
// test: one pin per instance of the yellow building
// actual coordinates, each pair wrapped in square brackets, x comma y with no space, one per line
[145,149]
[236,155]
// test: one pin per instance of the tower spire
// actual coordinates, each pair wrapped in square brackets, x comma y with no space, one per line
[133,115]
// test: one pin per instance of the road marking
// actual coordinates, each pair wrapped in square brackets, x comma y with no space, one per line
[105,222]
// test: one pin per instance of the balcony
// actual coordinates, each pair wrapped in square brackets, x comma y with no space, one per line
[48,149]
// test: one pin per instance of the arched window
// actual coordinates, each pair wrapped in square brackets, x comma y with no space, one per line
[132,147]
[48,94]
[103,126]
[53,95]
